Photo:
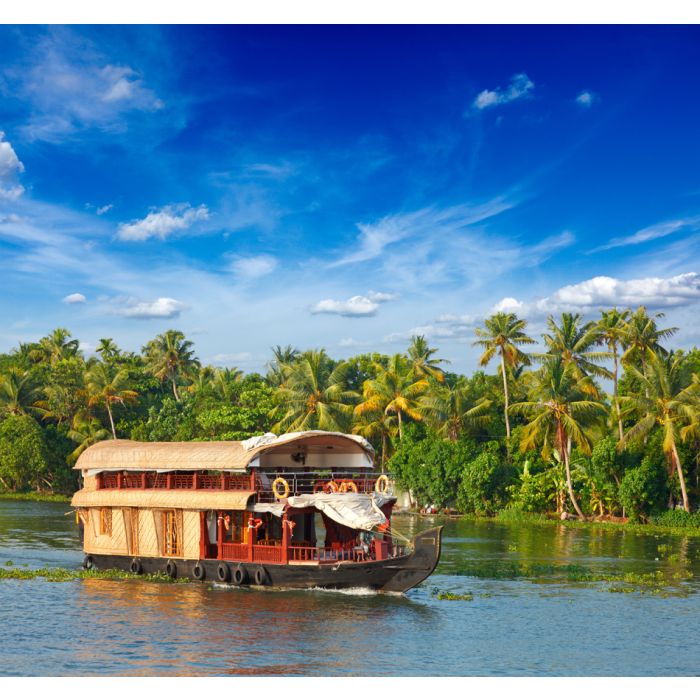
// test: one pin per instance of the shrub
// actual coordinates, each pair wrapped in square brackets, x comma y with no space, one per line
[643,489]
[677,518]
[23,454]
[483,486]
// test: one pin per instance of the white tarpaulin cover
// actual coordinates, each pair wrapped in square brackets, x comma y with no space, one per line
[356,510]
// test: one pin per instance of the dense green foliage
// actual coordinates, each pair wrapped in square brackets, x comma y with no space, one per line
[603,421]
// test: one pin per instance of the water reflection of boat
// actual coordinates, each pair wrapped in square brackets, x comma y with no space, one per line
[250,513]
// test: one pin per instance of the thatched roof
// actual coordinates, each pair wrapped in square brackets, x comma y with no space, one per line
[157,498]
[114,455]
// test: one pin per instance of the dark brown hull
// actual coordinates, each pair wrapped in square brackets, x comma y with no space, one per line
[391,575]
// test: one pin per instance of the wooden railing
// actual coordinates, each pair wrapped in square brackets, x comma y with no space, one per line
[267,553]
[234,551]
[173,480]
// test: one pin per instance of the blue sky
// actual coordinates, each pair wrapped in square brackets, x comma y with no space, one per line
[343,187]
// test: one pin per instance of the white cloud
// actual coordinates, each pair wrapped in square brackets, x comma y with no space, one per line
[74,299]
[360,305]
[160,223]
[253,267]
[10,168]
[520,87]
[661,230]
[446,327]
[599,292]
[586,98]
[348,343]
[163,307]
[509,305]
[103,210]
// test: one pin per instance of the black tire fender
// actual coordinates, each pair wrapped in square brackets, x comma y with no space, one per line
[198,571]
[240,575]
[136,567]
[171,569]
[260,576]
[88,563]
[223,572]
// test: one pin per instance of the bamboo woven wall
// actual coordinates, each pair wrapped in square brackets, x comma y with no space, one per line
[190,541]
[96,543]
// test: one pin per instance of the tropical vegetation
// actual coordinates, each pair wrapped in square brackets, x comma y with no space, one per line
[600,419]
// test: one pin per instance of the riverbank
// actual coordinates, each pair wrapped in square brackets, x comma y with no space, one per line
[34,496]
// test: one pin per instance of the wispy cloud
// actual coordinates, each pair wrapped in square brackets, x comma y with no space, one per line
[103,210]
[519,88]
[164,307]
[10,168]
[161,223]
[420,224]
[71,86]
[661,230]
[360,305]
[253,267]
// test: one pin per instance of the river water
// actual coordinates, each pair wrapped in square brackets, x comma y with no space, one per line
[530,612]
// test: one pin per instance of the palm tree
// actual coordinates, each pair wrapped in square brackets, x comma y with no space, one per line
[108,350]
[222,383]
[502,335]
[669,401]
[170,357]
[642,335]
[284,357]
[395,391]
[108,387]
[376,425]
[572,341]
[450,409]
[560,415]
[611,332]
[20,393]
[86,431]
[314,395]
[422,360]
[55,346]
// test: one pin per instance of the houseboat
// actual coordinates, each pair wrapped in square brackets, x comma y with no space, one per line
[296,511]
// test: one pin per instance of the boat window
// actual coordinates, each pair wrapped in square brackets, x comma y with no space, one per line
[173,536]
[106,521]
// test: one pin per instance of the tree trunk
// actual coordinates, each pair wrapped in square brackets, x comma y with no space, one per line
[111,420]
[177,397]
[398,413]
[684,493]
[617,403]
[505,394]
[565,449]
[383,450]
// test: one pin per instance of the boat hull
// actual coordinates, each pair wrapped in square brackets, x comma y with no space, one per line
[395,575]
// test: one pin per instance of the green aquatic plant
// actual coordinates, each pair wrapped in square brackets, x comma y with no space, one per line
[58,574]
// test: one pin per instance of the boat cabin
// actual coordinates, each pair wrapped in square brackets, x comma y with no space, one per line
[310,498]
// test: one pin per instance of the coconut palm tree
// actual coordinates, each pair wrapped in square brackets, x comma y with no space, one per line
[283,358]
[642,335]
[108,386]
[560,415]
[376,425]
[395,391]
[314,395]
[572,341]
[170,357]
[20,394]
[502,335]
[222,383]
[108,350]
[450,409]
[669,401]
[55,346]
[86,431]
[423,363]
[611,333]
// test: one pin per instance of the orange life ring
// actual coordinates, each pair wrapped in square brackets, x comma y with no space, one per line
[279,481]
[332,487]
[348,486]
[381,485]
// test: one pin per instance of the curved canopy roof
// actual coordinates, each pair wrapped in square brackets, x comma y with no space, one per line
[113,455]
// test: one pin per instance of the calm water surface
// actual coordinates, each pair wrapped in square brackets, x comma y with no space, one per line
[543,625]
